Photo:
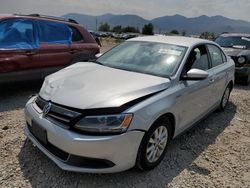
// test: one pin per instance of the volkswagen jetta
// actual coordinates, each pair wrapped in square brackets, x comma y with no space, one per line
[124,108]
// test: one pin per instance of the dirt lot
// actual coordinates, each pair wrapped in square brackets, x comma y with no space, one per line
[215,153]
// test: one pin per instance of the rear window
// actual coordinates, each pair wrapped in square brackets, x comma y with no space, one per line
[216,55]
[54,33]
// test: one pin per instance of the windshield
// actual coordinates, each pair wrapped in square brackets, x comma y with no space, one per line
[236,42]
[145,57]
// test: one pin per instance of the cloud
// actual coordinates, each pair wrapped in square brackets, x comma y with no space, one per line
[237,9]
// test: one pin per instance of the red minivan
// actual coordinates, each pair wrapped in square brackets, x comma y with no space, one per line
[33,46]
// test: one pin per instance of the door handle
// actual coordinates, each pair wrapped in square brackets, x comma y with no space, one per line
[30,53]
[211,80]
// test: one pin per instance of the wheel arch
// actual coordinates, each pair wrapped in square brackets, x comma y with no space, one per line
[141,162]
[172,120]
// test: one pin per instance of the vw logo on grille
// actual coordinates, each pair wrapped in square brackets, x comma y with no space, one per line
[46,109]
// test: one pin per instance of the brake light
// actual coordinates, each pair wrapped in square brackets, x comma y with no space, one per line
[98,50]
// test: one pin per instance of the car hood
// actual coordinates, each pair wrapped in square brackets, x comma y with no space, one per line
[236,52]
[88,85]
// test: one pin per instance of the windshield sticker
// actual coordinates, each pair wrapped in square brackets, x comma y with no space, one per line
[239,46]
[169,52]
[245,38]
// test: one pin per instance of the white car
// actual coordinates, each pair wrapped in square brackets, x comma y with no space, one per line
[123,109]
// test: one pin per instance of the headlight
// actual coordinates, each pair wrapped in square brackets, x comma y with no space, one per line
[241,60]
[105,124]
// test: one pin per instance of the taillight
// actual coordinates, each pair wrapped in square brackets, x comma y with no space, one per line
[98,50]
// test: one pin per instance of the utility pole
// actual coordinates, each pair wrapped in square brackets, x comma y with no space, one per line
[96,23]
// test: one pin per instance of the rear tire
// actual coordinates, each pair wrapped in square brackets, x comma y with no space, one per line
[154,144]
[225,98]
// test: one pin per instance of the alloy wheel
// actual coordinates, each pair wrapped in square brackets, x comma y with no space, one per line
[157,144]
[225,97]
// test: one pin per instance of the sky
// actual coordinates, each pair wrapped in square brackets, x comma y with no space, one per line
[149,9]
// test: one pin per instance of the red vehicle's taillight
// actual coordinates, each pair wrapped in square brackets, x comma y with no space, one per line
[98,50]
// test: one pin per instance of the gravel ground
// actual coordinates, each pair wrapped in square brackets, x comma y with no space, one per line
[215,153]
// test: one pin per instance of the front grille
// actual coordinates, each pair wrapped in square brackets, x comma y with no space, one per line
[58,113]
[40,102]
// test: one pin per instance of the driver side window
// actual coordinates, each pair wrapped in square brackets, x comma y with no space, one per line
[198,59]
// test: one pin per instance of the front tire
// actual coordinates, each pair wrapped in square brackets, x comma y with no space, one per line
[154,144]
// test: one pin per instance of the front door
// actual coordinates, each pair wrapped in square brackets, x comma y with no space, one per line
[18,51]
[194,98]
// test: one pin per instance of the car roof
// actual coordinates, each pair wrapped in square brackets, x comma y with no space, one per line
[176,40]
[235,35]
[7,16]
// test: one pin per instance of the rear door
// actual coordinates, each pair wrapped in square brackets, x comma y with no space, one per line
[218,61]
[55,40]
[18,51]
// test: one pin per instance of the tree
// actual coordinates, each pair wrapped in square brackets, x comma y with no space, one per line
[207,35]
[130,29]
[212,36]
[117,29]
[148,29]
[104,27]
[174,32]
[204,35]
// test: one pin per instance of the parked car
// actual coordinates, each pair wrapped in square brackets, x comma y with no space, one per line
[237,46]
[96,36]
[124,36]
[123,109]
[34,46]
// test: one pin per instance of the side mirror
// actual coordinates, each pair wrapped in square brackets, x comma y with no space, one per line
[98,55]
[195,74]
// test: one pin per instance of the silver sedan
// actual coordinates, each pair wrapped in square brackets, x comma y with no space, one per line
[123,109]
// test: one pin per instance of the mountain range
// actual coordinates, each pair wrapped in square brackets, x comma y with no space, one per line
[195,25]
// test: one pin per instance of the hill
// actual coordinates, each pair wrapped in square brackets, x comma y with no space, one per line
[195,25]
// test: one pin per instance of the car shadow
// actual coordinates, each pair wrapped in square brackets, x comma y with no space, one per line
[17,92]
[182,152]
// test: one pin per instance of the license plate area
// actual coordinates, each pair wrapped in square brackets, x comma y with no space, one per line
[39,132]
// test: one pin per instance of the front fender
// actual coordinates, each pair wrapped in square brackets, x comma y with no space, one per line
[148,111]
